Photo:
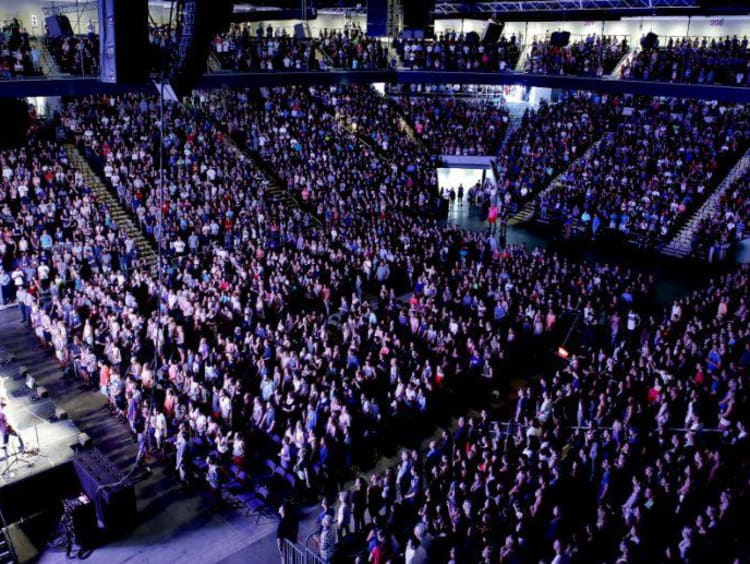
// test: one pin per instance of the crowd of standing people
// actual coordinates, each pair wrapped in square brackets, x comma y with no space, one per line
[451,51]
[18,57]
[652,169]
[723,61]
[311,335]
[455,126]
[591,56]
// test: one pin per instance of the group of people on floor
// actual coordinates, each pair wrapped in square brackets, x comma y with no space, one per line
[634,448]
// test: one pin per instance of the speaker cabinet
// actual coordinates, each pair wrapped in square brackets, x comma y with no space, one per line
[650,41]
[560,38]
[58,26]
[102,482]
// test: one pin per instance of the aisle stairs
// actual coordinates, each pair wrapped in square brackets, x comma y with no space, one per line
[530,208]
[681,244]
[146,248]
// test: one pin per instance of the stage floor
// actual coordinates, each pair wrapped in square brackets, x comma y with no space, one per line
[48,441]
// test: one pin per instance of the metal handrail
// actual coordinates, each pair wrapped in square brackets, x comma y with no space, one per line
[292,553]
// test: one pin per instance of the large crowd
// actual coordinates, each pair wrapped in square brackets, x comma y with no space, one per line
[302,340]
[76,55]
[652,169]
[456,52]
[548,140]
[353,49]
[696,60]
[728,222]
[454,126]
[241,50]
[18,57]
[634,449]
[592,56]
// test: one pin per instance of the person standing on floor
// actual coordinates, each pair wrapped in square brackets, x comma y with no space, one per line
[214,478]
[287,529]
[328,539]
[182,459]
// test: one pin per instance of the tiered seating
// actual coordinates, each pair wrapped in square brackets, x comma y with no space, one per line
[592,56]
[700,61]
[453,52]
[17,57]
[547,141]
[728,223]
[659,163]
[286,357]
[353,49]
[453,126]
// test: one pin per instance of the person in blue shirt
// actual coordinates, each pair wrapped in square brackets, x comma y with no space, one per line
[45,241]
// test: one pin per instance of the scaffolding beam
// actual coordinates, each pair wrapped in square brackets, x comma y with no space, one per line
[450,8]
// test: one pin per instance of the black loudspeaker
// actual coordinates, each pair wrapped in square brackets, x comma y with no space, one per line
[559,38]
[472,38]
[123,41]
[418,14]
[16,123]
[299,31]
[493,32]
[113,497]
[58,26]
[650,41]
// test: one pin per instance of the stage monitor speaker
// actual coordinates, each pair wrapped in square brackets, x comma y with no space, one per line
[123,41]
[559,38]
[493,32]
[650,41]
[377,18]
[58,26]
[113,496]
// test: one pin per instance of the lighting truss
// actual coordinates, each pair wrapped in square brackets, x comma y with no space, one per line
[57,7]
[450,8]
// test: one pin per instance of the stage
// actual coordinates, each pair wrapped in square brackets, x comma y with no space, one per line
[49,442]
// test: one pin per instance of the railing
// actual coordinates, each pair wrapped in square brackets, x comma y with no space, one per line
[292,553]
